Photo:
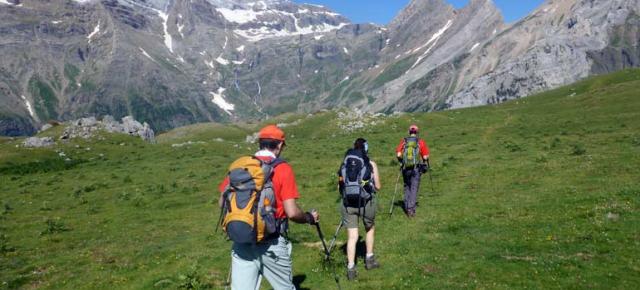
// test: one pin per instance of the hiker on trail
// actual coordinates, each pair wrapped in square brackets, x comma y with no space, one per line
[413,154]
[266,251]
[359,181]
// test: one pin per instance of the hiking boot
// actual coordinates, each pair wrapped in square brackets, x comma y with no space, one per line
[352,273]
[371,263]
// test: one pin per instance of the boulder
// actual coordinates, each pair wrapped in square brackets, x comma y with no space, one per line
[131,126]
[36,142]
[147,134]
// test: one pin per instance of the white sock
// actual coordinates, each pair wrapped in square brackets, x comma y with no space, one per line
[351,265]
[369,255]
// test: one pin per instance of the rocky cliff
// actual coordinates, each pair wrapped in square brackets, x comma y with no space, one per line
[176,62]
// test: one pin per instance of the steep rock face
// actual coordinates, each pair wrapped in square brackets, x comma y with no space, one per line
[551,47]
[421,69]
[623,50]
[167,62]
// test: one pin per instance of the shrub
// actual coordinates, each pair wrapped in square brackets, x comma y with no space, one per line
[54,226]
[578,149]
[4,244]
[124,196]
[139,200]
[555,143]
[192,280]
[512,146]
[6,209]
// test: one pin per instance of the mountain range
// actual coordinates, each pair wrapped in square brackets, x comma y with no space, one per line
[175,62]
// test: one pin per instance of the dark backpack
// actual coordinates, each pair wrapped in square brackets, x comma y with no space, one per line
[356,186]
[411,152]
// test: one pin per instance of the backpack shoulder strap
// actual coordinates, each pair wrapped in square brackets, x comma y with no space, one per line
[275,162]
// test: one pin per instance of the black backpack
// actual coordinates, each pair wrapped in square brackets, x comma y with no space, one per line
[356,185]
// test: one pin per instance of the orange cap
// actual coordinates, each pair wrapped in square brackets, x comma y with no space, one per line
[413,128]
[271,132]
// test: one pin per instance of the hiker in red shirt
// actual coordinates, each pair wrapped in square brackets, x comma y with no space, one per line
[270,258]
[413,153]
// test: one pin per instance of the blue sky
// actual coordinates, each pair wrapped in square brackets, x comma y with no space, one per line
[382,11]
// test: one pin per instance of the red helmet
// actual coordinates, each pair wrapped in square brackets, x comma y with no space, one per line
[413,129]
[271,132]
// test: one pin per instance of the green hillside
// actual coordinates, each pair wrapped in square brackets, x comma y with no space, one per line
[542,192]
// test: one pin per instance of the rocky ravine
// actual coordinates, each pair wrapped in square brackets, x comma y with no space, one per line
[175,62]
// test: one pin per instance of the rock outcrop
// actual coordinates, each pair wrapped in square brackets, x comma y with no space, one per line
[37,142]
[88,127]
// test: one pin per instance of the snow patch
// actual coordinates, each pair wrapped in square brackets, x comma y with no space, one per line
[218,99]
[345,79]
[180,27]
[168,40]
[9,3]
[28,105]
[222,61]
[474,47]
[240,16]
[240,48]
[95,31]
[434,37]
[144,52]
[433,41]
[54,21]
[257,34]
[318,37]
[180,59]
[210,64]
[345,50]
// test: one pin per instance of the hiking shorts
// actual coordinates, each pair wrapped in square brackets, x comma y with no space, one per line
[351,215]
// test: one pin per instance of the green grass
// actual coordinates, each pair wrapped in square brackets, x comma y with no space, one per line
[45,100]
[394,71]
[541,192]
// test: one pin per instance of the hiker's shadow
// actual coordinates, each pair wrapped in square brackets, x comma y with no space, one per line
[361,248]
[297,281]
[399,204]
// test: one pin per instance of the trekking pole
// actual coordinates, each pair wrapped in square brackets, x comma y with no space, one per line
[326,253]
[228,282]
[333,240]
[430,178]
[395,191]
[223,210]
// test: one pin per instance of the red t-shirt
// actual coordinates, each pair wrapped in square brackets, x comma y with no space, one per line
[424,149]
[284,185]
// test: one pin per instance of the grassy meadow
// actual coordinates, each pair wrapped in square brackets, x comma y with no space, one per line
[542,192]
